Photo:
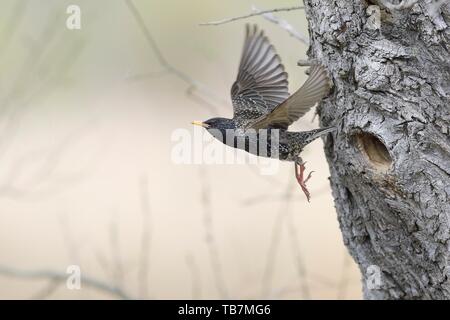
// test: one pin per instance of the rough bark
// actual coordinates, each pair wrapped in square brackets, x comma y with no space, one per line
[390,158]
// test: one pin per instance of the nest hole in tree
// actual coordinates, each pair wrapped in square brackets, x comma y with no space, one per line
[374,151]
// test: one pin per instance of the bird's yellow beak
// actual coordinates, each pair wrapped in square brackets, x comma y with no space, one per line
[201,124]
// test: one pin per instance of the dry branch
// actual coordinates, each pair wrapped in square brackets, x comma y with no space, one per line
[256,13]
[55,276]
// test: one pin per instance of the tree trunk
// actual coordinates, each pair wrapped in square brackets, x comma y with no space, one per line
[390,158]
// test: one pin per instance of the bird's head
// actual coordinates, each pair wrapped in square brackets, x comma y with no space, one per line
[216,123]
[217,127]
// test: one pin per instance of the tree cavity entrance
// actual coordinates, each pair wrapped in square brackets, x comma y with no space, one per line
[374,151]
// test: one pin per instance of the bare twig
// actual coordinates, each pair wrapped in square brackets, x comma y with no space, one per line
[169,68]
[219,22]
[193,86]
[282,24]
[62,277]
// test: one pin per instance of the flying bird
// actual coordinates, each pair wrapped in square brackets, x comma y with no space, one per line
[262,106]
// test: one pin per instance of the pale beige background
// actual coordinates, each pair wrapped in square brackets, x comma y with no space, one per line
[82,137]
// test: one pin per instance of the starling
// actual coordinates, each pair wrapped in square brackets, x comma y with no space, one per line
[262,104]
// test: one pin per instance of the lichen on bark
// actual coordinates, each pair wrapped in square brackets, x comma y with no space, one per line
[390,158]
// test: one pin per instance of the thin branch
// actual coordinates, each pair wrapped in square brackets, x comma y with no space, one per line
[169,68]
[62,277]
[193,86]
[219,22]
[283,24]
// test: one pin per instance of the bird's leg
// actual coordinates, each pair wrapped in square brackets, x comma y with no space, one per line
[300,175]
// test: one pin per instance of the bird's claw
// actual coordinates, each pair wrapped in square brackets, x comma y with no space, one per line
[299,174]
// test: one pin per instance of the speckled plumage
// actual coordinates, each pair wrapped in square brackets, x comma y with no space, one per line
[261,103]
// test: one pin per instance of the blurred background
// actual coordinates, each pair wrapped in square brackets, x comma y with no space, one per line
[87,176]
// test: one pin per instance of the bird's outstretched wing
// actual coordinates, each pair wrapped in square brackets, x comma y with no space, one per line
[261,83]
[313,90]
